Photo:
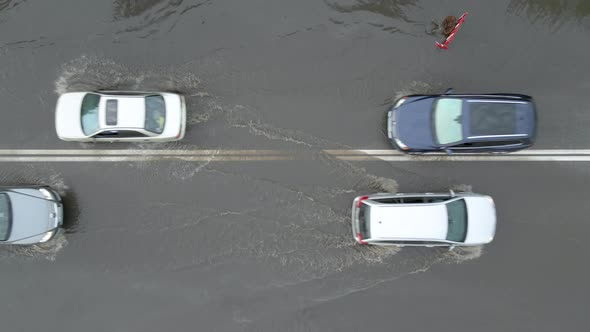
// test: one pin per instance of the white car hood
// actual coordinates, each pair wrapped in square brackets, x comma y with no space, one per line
[67,116]
[481,216]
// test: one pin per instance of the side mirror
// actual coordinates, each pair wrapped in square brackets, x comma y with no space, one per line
[449,91]
[452,193]
[452,247]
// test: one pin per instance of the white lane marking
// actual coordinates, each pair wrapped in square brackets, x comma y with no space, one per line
[573,152]
[141,158]
[141,152]
[120,155]
[465,158]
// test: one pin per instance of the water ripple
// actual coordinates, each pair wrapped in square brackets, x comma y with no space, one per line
[389,8]
[147,16]
[554,13]
[384,10]
[9,4]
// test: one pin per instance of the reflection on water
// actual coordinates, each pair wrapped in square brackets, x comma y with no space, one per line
[130,8]
[389,8]
[553,12]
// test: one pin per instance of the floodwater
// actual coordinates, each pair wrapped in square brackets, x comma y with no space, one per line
[266,246]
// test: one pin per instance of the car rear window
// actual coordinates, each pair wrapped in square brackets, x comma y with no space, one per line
[492,118]
[457,220]
[155,114]
[364,221]
[5,221]
[89,113]
[448,122]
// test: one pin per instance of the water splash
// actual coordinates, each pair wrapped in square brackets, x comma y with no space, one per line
[45,251]
[30,174]
[463,254]
[419,87]
[91,73]
[462,188]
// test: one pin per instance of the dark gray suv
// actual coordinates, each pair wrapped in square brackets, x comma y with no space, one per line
[462,123]
[29,214]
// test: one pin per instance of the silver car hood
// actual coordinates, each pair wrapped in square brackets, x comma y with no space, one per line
[31,216]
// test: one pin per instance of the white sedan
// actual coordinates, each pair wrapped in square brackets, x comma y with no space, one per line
[430,220]
[120,116]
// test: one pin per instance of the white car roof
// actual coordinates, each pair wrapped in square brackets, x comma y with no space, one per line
[130,111]
[399,221]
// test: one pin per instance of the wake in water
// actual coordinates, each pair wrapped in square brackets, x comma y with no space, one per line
[462,188]
[415,88]
[90,73]
[47,251]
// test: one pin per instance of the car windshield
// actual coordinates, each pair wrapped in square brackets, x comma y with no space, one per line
[448,124]
[457,218]
[4,217]
[90,113]
[155,114]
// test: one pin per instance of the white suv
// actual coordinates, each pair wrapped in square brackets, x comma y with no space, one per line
[431,219]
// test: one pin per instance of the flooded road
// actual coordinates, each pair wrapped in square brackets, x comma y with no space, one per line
[266,245]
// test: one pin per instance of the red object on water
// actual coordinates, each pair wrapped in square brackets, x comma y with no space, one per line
[445,45]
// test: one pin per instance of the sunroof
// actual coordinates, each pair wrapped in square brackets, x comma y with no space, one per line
[111,112]
[492,118]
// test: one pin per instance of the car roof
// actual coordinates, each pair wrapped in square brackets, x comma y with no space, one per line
[408,221]
[488,118]
[129,111]
[498,118]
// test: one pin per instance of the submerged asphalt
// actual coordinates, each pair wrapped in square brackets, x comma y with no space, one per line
[242,245]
